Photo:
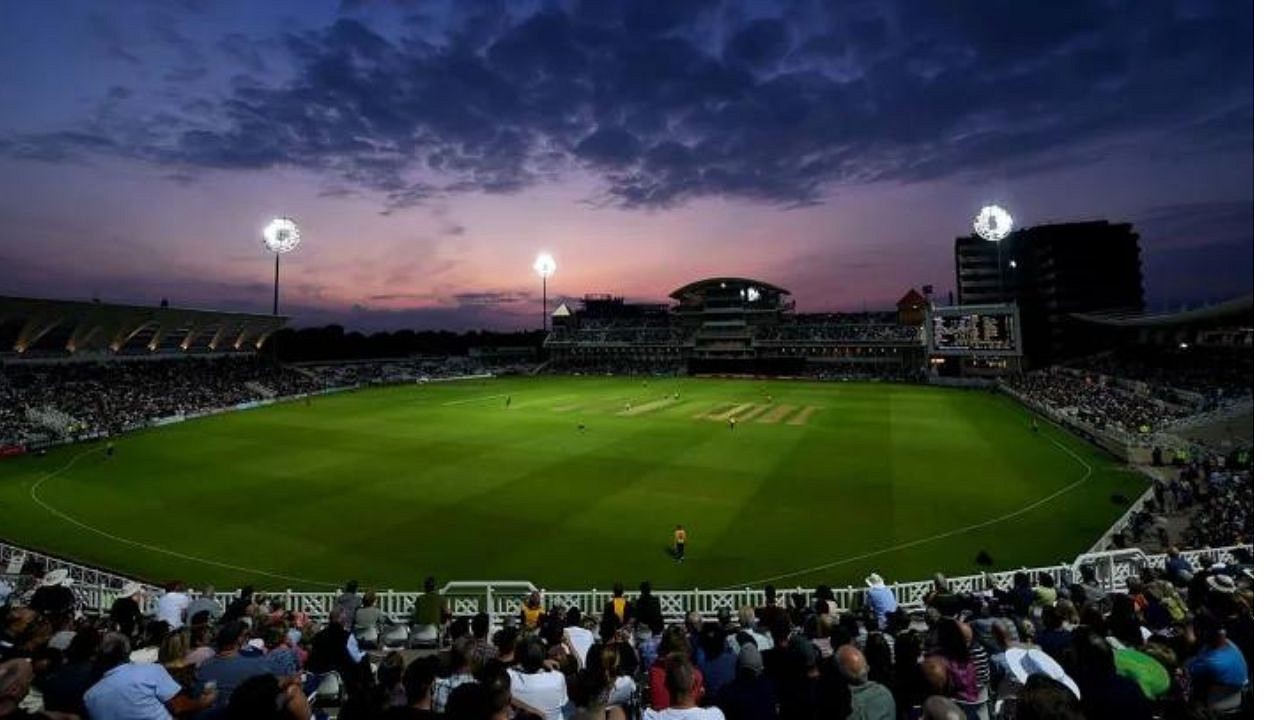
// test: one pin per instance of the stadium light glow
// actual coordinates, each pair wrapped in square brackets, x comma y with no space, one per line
[544,265]
[281,235]
[993,223]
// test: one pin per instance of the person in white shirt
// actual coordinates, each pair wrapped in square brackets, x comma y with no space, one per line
[535,687]
[684,703]
[172,605]
[579,638]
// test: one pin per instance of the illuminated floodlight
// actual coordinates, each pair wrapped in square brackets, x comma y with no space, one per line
[281,235]
[752,294]
[993,223]
[544,265]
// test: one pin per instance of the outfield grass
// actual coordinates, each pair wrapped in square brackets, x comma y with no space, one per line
[389,484]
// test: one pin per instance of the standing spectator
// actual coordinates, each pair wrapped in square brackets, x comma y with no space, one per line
[126,611]
[54,599]
[648,610]
[620,606]
[172,605]
[131,690]
[206,603]
[241,607]
[429,610]
[349,600]
[880,599]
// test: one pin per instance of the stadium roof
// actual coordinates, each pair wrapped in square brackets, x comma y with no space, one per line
[1229,311]
[698,285]
[74,326]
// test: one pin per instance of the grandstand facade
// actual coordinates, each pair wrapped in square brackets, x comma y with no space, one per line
[737,325]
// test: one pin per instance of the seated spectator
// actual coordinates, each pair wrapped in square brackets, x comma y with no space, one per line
[64,687]
[953,652]
[717,662]
[369,617]
[1104,693]
[673,642]
[228,668]
[682,688]
[1043,698]
[458,673]
[868,700]
[536,687]
[418,679]
[264,697]
[334,649]
[751,695]
[132,690]
[1218,672]
[429,611]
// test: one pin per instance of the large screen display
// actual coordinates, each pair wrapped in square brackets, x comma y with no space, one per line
[956,330]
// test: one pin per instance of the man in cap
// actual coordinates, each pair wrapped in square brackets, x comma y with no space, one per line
[54,596]
[880,599]
[126,611]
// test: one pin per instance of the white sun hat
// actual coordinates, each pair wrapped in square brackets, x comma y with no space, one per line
[1025,662]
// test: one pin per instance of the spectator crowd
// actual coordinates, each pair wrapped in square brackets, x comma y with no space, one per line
[1173,642]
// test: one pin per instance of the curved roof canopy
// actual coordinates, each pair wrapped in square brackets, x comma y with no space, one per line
[1236,309]
[698,286]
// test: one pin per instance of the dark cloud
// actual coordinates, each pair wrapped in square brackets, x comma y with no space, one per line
[492,298]
[672,100]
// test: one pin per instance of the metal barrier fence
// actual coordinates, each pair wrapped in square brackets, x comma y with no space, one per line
[98,589]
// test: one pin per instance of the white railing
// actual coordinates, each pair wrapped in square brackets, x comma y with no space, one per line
[98,589]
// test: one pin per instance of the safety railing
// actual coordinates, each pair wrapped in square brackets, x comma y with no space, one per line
[97,589]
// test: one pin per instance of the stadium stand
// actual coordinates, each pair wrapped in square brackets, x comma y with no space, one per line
[1118,633]
[1115,635]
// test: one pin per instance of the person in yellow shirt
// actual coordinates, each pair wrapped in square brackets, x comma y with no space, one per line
[680,538]
[531,611]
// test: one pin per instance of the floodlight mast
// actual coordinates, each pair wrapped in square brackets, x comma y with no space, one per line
[544,265]
[281,235]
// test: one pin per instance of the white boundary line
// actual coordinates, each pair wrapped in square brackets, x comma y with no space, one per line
[1088,472]
[144,546]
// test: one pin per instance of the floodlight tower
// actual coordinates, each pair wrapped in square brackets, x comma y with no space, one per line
[993,224]
[281,235]
[545,266]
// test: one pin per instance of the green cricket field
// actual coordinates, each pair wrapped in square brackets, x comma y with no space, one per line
[574,483]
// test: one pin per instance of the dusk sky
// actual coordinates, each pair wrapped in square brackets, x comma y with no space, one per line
[430,150]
